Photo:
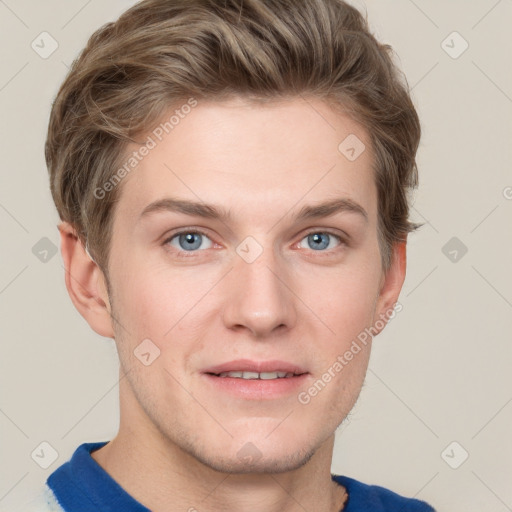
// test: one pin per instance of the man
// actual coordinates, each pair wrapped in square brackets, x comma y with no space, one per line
[232,182]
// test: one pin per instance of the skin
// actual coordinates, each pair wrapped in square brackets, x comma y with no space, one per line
[179,436]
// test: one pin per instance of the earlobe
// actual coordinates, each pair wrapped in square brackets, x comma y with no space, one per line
[391,284]
[85,282]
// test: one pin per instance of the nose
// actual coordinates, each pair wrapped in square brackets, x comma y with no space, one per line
[258,296]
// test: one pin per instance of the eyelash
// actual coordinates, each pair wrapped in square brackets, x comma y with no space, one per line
[188,254]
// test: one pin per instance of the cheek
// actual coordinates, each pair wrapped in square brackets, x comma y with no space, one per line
[161,303]
[343,299]
[137,306]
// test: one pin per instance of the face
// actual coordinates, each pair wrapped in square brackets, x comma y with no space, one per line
[261,282]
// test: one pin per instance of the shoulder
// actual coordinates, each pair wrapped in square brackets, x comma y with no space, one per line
[363,496]
[42,500]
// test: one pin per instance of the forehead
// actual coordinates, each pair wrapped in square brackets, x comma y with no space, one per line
[252,158]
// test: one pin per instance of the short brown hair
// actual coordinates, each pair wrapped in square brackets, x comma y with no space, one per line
[160,52]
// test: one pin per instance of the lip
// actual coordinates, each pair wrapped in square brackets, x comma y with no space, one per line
[248,365]
[257,389]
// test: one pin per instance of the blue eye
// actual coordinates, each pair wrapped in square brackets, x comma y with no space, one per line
[193,241]
[318,240]
[188,241]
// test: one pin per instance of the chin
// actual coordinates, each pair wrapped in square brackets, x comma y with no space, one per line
[252,450]
[250,460]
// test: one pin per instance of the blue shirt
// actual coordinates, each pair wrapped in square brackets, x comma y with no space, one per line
[82,485]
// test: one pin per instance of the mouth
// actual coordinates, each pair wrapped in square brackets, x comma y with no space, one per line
[239,374]
[255,380]
[249,369]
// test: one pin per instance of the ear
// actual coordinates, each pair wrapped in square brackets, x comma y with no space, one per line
[390,285]
[85,282]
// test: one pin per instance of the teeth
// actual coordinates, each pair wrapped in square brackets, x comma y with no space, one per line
[256,375]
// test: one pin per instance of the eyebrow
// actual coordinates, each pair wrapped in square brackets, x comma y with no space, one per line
[210,211]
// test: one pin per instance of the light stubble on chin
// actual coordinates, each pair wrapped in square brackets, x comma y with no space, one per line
[263,464]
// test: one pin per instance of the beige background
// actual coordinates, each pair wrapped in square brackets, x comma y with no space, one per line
[439,373]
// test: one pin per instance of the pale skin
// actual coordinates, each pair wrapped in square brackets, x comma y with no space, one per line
[179,436]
